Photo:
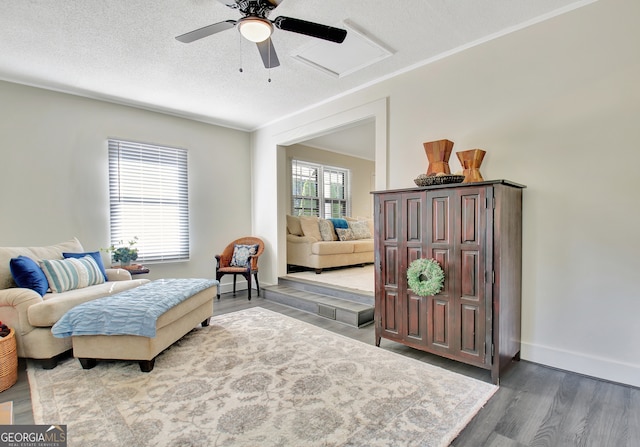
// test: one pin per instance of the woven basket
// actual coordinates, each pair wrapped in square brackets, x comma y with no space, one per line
[8,361]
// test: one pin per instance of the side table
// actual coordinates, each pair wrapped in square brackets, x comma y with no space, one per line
[134,269]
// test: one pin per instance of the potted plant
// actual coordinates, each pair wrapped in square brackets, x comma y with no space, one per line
[124,254]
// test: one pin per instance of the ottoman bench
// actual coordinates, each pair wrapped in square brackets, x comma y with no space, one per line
[137,324]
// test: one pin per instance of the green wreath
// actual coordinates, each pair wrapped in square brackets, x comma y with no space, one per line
[425,277]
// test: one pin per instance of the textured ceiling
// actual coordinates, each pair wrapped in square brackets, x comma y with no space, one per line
[126,52]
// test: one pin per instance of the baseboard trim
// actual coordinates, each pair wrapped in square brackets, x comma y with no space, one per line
[589,365]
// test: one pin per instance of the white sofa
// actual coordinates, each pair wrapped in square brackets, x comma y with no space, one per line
[308,247]
[32,315]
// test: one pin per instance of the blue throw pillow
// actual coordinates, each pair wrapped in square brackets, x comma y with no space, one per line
[28,274]
[340,223]
[96,257]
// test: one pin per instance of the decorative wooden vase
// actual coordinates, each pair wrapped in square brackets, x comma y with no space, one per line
[438,153]
[471,161]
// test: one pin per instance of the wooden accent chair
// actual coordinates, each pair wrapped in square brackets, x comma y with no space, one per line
[224,261]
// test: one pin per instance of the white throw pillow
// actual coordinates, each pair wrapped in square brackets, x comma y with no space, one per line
[360,229]
[310,227]
[327,231]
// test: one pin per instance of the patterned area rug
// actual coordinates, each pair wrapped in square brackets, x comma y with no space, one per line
[259,378]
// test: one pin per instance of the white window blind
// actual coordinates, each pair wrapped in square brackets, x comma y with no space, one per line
[305,198]
[318,190]
[335,192]
[149,198]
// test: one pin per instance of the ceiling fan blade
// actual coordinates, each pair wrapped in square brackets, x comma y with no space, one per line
[206,31]
[268,53]
[311,29]
[234,4]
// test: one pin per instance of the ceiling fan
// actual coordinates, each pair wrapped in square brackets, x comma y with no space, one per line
[257,27]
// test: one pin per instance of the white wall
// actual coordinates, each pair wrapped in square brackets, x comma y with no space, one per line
[54,173]
[556,106]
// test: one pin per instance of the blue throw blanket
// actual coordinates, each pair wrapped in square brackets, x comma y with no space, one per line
[131,312]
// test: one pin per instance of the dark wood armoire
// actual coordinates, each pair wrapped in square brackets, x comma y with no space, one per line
[474,231]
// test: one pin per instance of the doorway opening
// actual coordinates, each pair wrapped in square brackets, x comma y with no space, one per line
[359,134]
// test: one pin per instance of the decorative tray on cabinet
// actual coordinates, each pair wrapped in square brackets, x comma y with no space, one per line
[428,180]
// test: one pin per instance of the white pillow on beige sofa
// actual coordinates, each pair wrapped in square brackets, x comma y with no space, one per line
[369,222]
[293,225]
[310,226]
[326,230]
[360,229]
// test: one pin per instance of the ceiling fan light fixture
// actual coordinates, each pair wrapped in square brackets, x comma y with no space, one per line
[255,29]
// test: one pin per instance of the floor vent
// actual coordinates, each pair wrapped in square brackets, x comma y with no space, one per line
[327,311]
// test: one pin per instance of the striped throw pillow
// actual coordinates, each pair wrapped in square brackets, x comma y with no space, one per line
[71,273]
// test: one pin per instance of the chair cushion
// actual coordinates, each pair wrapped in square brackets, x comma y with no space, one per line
[28,274]
[233,269]
[241,254]
[332,248]
[363,246]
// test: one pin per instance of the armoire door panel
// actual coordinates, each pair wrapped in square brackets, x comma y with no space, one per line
[442,255]
[391,266]
[470,335]
[413,253]
[413,209]
[469,214]
[415,324]
[469,274]
[440,220]
[439,246]
[390,213]
[470,253]
[440,322]
[390,319]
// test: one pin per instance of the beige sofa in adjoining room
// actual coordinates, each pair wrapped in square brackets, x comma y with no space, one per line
[314,243]
[32,315]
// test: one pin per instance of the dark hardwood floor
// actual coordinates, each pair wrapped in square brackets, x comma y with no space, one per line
[535,405]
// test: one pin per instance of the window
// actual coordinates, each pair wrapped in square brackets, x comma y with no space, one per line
[318,190]
[149,198]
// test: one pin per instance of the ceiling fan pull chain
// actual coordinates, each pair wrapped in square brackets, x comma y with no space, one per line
[240,44]
[269,80]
